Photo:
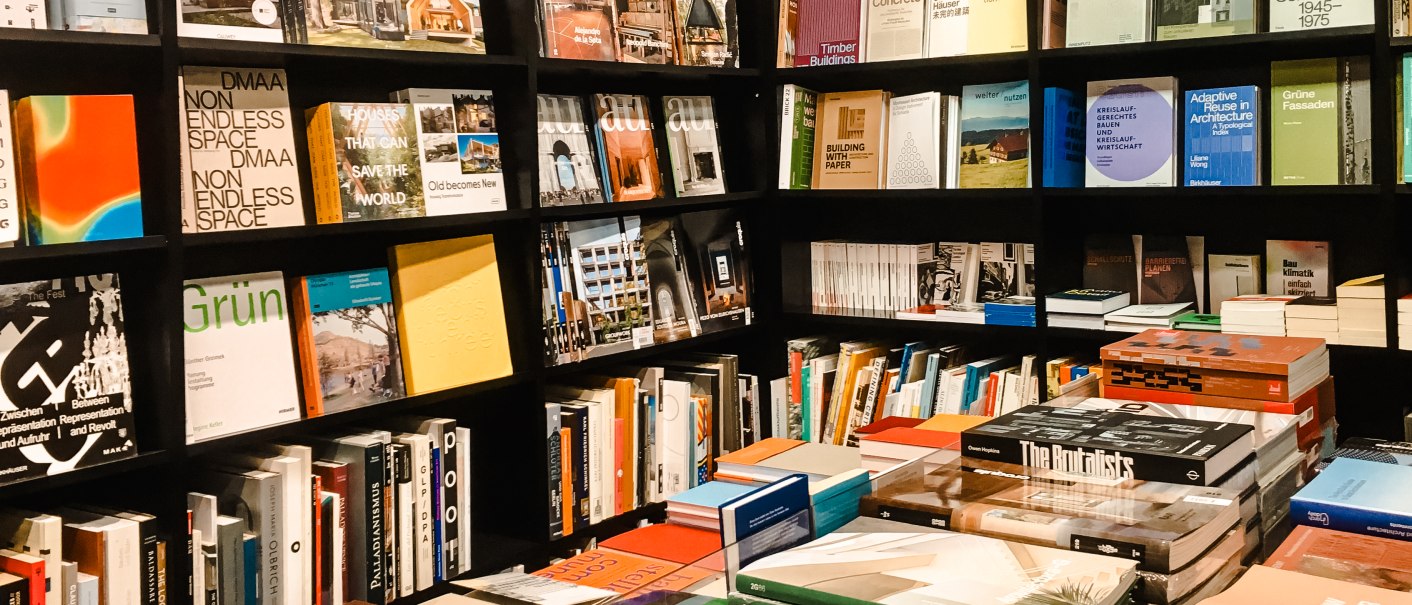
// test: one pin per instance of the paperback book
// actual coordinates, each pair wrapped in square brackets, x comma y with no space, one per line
[851,134]
[646,33]
[578,30]
[914,129]
[346,326]
[1132,126]
[253,22]
[896,30]
[1223,137]
[995,136]
[715,241]
[674,313]
[1097,22]
[1357,496]
[626,149]
[1110,263]
[1001,271]
[828,33]
[568,172]
[1182,19]
[459,149]
[1321,129]
[798,114]
[1297,267]
[1063,139]
[706,33]
[1292,15]
[452,26]
[693,146]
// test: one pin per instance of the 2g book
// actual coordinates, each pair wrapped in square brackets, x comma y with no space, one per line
[578,30]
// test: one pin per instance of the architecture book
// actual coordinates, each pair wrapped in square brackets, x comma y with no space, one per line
[1262,582]
[363,158]
[626,150]
[715,243]
[1232,275]
[706,33]
[10,224]
[568,172]
[65,353]
[850,139]
[1131,133]
[1357,496]
[896,30]
[1222,137]
[995,26]
[828,33]
[914,131]
[1181,19]
[1063,138]
[253,22]
[1347,557]
[238,156]
[1292,15]
[1297,267]
[1321,129]
[1001,273]
[669,276]
[798,115]
[578,30]
[1167,275]
[1110,263]
[459,149]
[646,33]
[947,27]
[349,351]
[120,17]
[416,25]
[693,146]
[1097,22]
[606,302]
[995,136]
[238,348]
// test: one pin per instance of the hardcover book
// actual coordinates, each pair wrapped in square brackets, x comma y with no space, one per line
[1233,275]
[1321,130]
[63,344]
[1132,130]
[995,135]
[1181,19]
[1292,15]
[1357,496]
[798,112]
[1347,557]
[850,140]
[896,30]
[460,149]
[1297,267]
[578,30]
[1110,263]
[1112,445]
[346,327]
[568,172]
[828,33]
[1274,436]
[237,349]
[1063,139]
[451,320]
[693,146]
[1273,355]
[646,33]
[1167,275]
[947,273]
[912,568]
[1222,137]
[58,137]
[914,128]
[706,33]
[1097,22]
[363,157]
[238,153]
[626,149]
[10,224]
[253,22]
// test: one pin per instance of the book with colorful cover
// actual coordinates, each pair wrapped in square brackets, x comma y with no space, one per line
[850,140]
[1358,496]
[578,30]
[646,33]
[1222,137]
[1300,268]
[10,201]
[459,149]
[1131,133]
[364,164]
[1268,355]
[253,22]
[346,326]
[829,33]
[626,150]
[624,573]
[798,112]
[568,172]
[1063,138]
[995,136]
[707,34]
[1183,19]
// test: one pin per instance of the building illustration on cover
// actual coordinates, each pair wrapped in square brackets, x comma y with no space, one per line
[353,328]
[673,307]
[611,290]
[378,171]
[716,240]
[692,145]
[645,31]
[579,29]
[567,176]
[704,33]
[995,135]
[426,25]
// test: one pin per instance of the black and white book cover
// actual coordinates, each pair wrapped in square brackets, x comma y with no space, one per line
[674,313]
[65,394]
[719,266]
[1000,271]
[567,169]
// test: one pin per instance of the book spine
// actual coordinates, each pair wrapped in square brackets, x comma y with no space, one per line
[582,446]
[1098,462]
[620,504]
[373,576]
[406,523]
[438,536]
[328,207]
[31,572]
[70,583]
[787,128]
[389,519]
[463,496]
[15,593]
[566,472]
[316,539]
[251,581]
[554,455]
[1351,519]
[451,502]
[1196,380]
[913,514]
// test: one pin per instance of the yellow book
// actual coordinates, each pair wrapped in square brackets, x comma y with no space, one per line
[450,316]
[850,139]
[996,26]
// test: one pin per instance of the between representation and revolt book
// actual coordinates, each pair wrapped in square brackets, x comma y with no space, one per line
[1222,137]
[568,171]
[1321,128]
[995,136]
[1131,133]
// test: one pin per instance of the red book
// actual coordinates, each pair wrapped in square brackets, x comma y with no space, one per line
[318,522]
[623,573]
[666,541]
[889,422]
[566,475]
[828,33]
[333,478]
[29,567]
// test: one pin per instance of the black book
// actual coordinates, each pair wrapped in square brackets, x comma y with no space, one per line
[1112,445]
[554,456]
[575,416]
[718,261]
[1110,263]
[14,590]
[1166,271]
[1376,450]
[367,461]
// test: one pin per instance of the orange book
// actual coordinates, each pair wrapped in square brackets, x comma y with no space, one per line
[566,477]
[951,423]
[620,505]
[1313,407]
[1262,584]
[1244,353]
[625,409]
[666,541]
[304,341]
[729,465]
[622,573]
[1367,560]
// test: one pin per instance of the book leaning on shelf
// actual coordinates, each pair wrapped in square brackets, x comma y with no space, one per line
[684,32]
[833,32]
[120,17]
[443,26]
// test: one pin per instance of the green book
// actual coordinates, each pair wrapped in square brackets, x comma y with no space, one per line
[1322,132]
[1202,322]
[1403,110]
[798,110]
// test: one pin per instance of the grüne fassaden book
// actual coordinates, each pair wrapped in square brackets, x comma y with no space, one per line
[1222,137]
[1131,133]
[1320,125]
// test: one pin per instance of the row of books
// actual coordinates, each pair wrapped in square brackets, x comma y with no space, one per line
[1079,23]
[918,281]
[624,283]
[619,161]
[368,516]
[118,17]
[81,554]
[870,140]
[436,25]
[680,32]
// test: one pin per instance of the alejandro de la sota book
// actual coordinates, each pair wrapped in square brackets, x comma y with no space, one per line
[65,395]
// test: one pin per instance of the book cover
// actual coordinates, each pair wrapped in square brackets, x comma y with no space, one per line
[666,541]
[347,332]
[850,140]
[646,32]
[674,313]
[996,26]
[1110,263]
[1222,137]
[626,149]
[1166,271]
[1292,15]
[947,27]
[1297,267]
[10,223]
[417,25]
[1131,133]
[1063,139]
[1098,22]
[942,271]
[1056,17]
[452,320]
[623,573]
[238,348]
[459,148]
[828,33]
[114,17]
[568,172]
[252,22]
[913,159]
[911,568]
[693,146]
[995,135]
[1321,130]
[896,30]
[799,110]
[1233,275]
[364,161]
[706,33]
[1271,355]
[1182,19]
[608,302]
[57,137]
[1347,557]
[238,155]
[1000,269]
[715,244]
[64,347]
[33,15]
[579,30]
[1293,588]
[1357,496]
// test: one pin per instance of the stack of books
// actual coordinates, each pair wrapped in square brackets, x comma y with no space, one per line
[1198,322]
[896,440]
[1367,448]
[1082,308]
[1260,314]
[87,554]
[835,474]
[1357,496]
[1346,557]
[699,506]
[1137,318]
[1313,317]
[1362,312]
[1010,311]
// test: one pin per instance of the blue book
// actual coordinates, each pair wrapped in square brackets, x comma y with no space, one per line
[252,569]
[761,509]
[977,371]
[1358,496]
[437,540]
[1222,137]
[710,495]
[929,384]
[831,513]
[1063,139]
[907,351]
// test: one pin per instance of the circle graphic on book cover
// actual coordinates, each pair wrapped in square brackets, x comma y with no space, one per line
[1130,133]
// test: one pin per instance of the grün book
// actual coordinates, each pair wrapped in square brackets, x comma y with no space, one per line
[1322,130]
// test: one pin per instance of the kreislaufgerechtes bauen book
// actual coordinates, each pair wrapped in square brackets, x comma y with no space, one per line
[238,152]
[65,395]
[1358,496]
[1112,445]
[1222,137]
[1131,135]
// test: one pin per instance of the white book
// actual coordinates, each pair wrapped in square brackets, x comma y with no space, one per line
[693,146]
[459,146]
[40,535]
[88,584]
[121,555]
[258,21]
[947,27]
[295,515]
[895,30]
[779,403]
[1233,275]
[1131,136]
[913,161]
[24,15]
[305,455]
[422,513]
[787,134]
[1297,267]
[1299,324]
[238,349]
[463,487]
[1096,22]
[673,426]
[950,149]
[9,187]
[237,143]
[1147,314]
[338,559]
[1294,15]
